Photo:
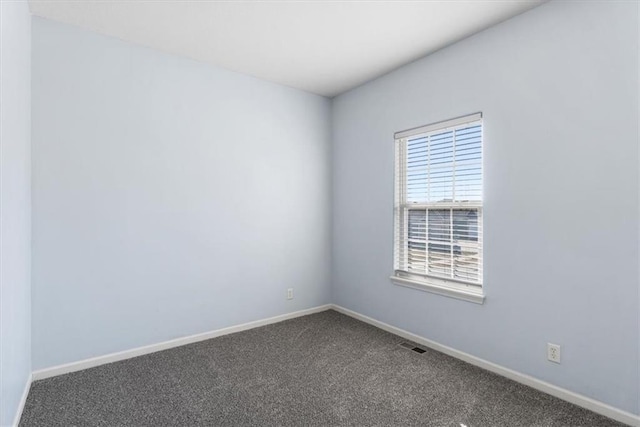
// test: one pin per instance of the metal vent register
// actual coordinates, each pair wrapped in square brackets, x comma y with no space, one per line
[412,347]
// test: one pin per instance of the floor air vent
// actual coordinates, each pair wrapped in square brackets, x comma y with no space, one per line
[412,347]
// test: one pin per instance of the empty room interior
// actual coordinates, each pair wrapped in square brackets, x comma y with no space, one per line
[287,213]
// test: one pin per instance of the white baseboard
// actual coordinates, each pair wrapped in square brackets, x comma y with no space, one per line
[569,396]
[128,354]
[23,400]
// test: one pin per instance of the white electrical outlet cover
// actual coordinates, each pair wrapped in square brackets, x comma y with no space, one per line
[553,352]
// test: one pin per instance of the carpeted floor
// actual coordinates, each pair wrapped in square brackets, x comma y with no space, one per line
[324,369]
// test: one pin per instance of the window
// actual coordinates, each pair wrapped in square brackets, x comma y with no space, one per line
[438,208]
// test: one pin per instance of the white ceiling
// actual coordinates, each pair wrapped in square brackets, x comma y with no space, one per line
[324,47]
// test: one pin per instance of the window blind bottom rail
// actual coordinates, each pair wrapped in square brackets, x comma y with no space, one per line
[409,275]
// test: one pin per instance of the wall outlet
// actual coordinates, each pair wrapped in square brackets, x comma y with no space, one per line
[553,352]
[290,293]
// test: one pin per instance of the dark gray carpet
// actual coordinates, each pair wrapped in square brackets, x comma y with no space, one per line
[325,369]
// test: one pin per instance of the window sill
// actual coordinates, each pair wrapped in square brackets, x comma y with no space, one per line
[441,287]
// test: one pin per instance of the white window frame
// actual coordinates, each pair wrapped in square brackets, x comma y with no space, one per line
[468,291]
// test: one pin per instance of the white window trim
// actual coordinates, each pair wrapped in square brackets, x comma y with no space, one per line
[437,285]
[438,126]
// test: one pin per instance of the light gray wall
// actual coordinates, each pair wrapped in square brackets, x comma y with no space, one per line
[15,206]
[558,89]
[170,197]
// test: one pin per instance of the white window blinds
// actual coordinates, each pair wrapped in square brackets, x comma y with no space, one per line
[438,207]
